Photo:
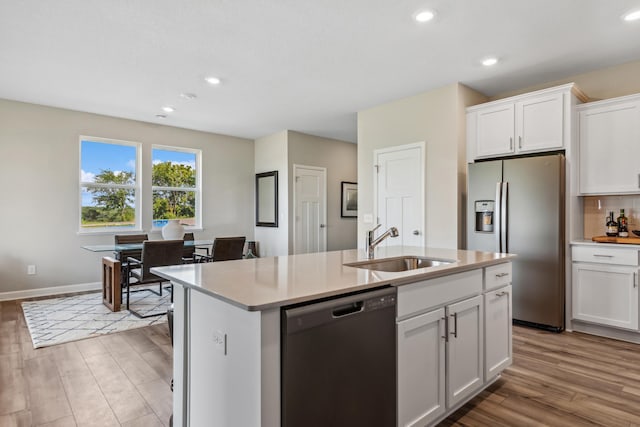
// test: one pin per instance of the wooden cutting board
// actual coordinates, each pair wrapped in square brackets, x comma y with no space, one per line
[607,239]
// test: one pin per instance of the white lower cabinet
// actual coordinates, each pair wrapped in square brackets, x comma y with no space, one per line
[605,285]
[421,369]
[606,294]
[498,328]
[465,346]
[442,344]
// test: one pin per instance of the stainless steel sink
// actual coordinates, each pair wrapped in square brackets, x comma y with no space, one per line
[400,264]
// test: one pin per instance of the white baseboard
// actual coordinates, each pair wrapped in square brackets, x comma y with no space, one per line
[45,292]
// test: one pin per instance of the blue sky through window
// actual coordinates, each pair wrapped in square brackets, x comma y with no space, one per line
[99,156]
[174,157]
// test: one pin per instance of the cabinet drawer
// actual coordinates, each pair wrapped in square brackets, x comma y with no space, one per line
[497,276]
[416,298]
[604,255]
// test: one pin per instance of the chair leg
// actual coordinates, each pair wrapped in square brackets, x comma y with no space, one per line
[141,316]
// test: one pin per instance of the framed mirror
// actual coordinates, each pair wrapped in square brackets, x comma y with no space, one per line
[267,199]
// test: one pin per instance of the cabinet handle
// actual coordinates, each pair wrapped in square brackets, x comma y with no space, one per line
[455,325]
[519,142]
[603,256]
[639,180]
[446,329]
[502,275]
[635,279]
[511,143]
[501,294]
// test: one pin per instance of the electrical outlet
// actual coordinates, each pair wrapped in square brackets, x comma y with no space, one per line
[31,270]
[220,340]
[368,218]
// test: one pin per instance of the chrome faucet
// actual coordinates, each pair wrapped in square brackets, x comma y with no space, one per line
[372,243]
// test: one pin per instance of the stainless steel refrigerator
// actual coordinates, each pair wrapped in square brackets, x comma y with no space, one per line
[516,205]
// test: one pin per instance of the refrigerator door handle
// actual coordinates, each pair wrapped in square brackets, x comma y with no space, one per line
[504,217]
[498,215]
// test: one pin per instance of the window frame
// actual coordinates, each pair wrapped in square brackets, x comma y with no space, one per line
[197,189]
[136,187]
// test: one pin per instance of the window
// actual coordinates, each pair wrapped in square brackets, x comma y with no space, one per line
[175,186]
[109,191]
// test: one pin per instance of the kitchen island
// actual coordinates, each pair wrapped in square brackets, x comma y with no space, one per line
[227,332]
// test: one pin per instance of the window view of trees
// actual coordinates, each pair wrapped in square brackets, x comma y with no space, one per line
[111,205]
[108,184]
[174,186]
[109,188]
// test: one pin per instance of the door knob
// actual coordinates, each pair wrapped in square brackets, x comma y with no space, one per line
[322,225]
[416,233]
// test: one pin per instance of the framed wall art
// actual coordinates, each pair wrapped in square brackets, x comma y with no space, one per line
[349,201]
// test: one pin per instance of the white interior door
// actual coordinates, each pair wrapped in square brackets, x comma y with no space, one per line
[310,209]
[399,192]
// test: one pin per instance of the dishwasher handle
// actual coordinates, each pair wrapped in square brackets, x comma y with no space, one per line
[348,309]
[315,314]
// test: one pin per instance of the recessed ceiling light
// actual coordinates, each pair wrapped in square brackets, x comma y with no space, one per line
[213,80]
[168,109]
[187,95]
[487,62]
[424,16]
[632,16]
[161,116]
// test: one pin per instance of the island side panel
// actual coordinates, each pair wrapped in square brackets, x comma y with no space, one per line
[224,360]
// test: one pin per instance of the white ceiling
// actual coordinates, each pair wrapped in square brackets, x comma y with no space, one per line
[304,65]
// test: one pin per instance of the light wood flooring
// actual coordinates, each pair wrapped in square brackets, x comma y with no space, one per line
[567,379]
[120,379]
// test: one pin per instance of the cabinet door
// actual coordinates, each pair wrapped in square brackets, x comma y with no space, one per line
[610,149]
[497,331]
[606,294]
[465,367]
[421,369]
[495,130]
[539,123]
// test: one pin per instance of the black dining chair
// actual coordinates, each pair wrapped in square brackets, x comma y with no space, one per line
[188,252]
[224,249]
[155,253]
[124,239]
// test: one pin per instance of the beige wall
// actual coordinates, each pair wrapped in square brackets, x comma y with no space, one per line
[438,118]
[39,214]
[600,84]
[339,158]
[271,155]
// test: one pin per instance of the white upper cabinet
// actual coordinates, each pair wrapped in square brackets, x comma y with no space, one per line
[539,123]
[609,143]
[536,122]
[495,130]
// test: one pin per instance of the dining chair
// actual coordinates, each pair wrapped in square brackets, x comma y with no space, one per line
[155,253]
[123,239]
[224,249]
[188,252]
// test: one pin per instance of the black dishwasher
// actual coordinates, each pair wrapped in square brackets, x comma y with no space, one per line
[339,362]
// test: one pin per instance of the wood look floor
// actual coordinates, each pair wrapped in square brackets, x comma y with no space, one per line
[122,379]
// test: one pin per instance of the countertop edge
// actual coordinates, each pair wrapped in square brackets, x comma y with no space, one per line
[426,274]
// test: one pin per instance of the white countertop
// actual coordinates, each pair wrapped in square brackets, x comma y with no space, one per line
[264,283]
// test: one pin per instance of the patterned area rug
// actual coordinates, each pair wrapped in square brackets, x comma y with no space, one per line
[59,320]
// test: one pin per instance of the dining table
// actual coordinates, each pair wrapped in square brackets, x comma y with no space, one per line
[112,268]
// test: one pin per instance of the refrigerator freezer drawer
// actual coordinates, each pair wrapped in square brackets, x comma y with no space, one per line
[497,276]
[606,255]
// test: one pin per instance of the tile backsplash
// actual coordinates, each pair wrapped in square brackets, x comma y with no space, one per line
[597,208]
